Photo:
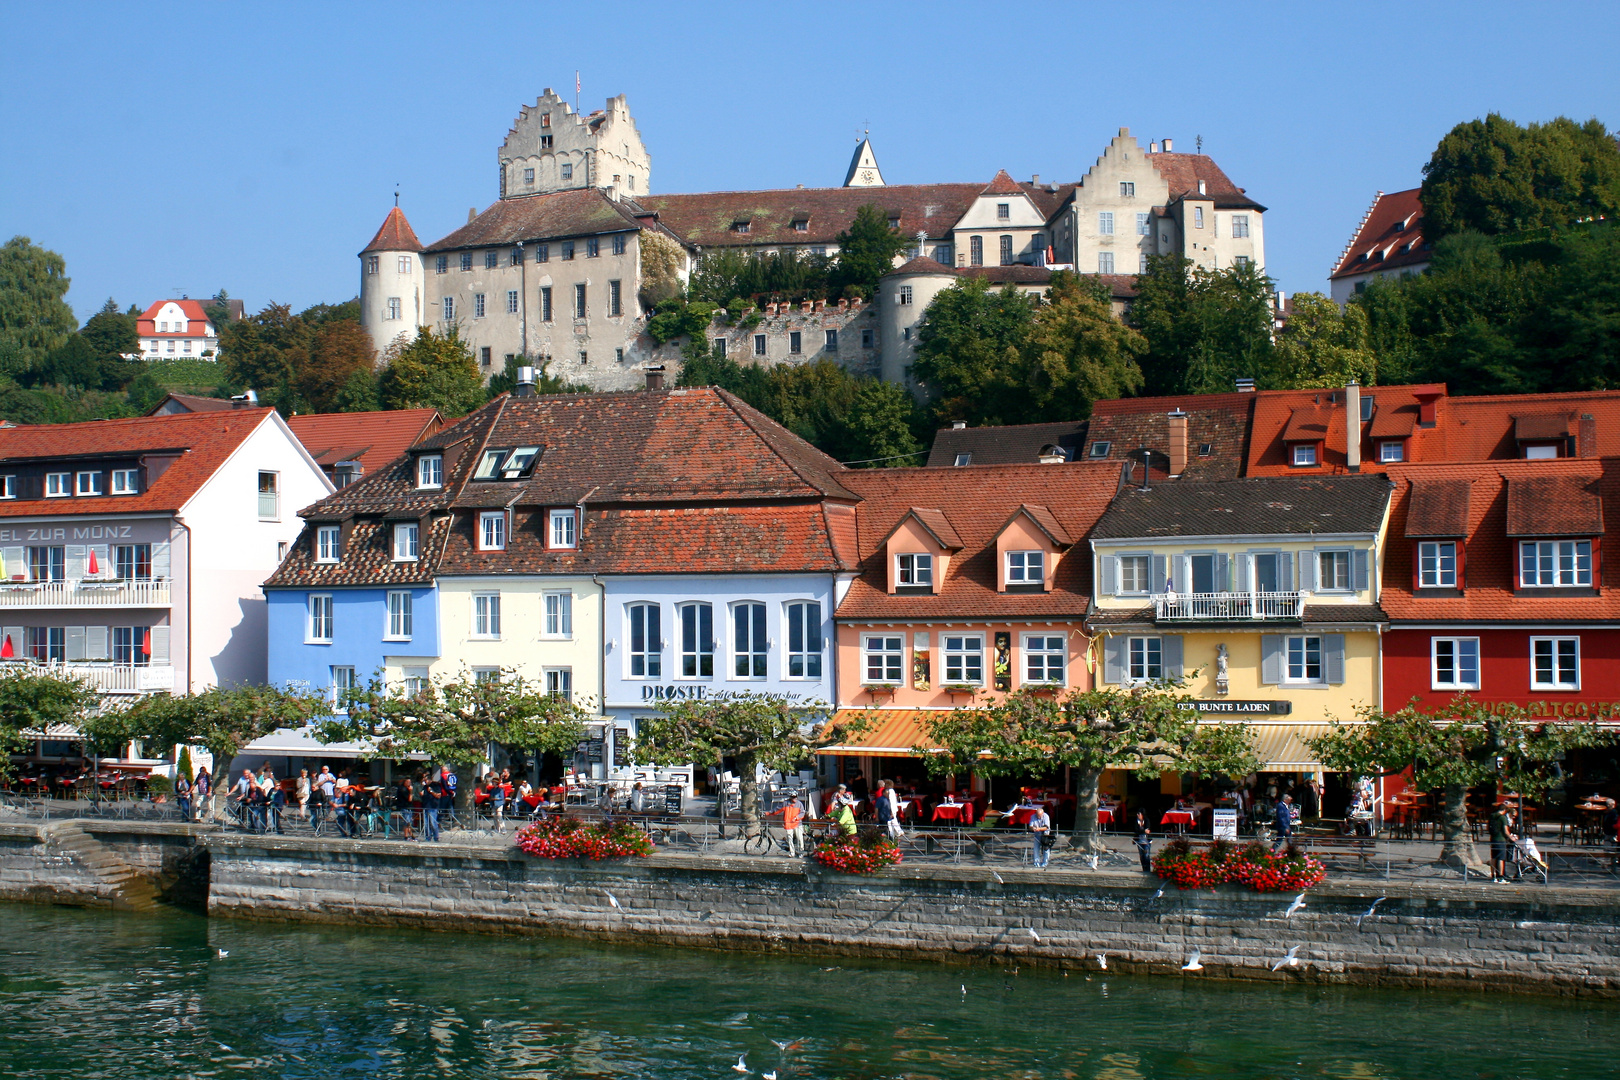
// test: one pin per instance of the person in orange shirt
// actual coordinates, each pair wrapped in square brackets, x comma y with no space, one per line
[793,825]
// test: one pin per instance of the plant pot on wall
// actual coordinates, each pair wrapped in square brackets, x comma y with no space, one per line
[882,691]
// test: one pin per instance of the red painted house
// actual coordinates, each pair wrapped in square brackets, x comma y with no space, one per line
[1498,586]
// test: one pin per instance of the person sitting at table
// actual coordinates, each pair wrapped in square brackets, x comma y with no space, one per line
[638,799]
[1609,824]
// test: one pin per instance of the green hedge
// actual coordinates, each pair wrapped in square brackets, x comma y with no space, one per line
[187,374]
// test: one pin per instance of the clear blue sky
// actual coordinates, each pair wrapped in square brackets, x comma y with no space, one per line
[256,148]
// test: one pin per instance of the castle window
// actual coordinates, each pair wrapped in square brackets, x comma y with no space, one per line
[405,266]
[1105,262]
[1006,251]
[545,303]
[1142,227]
[542,253]
[1003,211]
[567,172]
[486,356]
[618,355]
[1198,217]
[511,302]
[545,142]
[618,243]
[1127,189]
[516,257]
[579,301]
[866,339]
[393,307]
[441,264]
[478,305]
[466,261]
[568,250]
[832,341]
[759,344]
[545,120]
[1240,226]
[976,248]
[593,247]
[615,301]
[584,356]
[373,263]
[795,343]
[1105,223]
[449,308]
[528,177]
[905,295]
[492,260]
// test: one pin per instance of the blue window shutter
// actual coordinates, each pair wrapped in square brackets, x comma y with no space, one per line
[1158,573]
[1271,646]
[1170,655]
[1223,572]
[1113,660]
[1333,657]
[1245,573]
[1285,572]
[1110,575]
[1361,570]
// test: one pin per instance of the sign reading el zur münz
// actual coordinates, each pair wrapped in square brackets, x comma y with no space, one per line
[1245,708]
[690,692]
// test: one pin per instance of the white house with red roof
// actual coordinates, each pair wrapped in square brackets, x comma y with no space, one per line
[177,330]
[1389,243]
[132,551]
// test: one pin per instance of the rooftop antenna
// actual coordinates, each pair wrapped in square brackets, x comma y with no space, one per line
[1198,143]
[576,93]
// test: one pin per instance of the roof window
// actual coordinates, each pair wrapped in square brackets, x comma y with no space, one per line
[963,459]
[1206,449]
[506,464]
[741,226]
[1100,449]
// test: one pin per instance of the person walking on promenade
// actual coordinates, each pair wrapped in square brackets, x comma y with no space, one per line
[1144,841]
[884,808]
[278,808]
[896,828]
[1501,843]
[497,803]
[430,810]
[201,789]
[1040,830]
[302,794]
[793,826]
[1285,823]
[182,795]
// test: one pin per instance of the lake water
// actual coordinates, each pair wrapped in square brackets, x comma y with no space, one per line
[88,994]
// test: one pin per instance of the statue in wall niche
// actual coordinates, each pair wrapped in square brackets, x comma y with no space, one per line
[919,669]
[1221,660]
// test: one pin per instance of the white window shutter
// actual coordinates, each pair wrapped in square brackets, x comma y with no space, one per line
[1333,657]
[19,639]
[1110,575]
[1170,653]
[160,561]
[95,642]
[16,559]
[1159,569]
[1271,646]
[160,644]
[75,562]
[1114,660]
[1308,563]
[1245,572]
[1223,571]
[76,643]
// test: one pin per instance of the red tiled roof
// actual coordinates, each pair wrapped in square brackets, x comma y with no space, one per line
[146,324]
[1390,236]
[372,438]
[977,500]
[1002,184]
[937,525]
[1554,506]
[575,212]
[707,218]
[1182,172]
[1220,421]
[1438,508]
[922,264]
[395,234]
[1489,552]
[201,441]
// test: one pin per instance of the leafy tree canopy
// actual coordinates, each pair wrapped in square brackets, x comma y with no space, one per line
[725,274]
[1204,328]
[866,252]
[33,700]
[1323,345]
[433,371]
[34,317]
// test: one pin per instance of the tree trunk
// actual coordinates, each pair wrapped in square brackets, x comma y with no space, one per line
[220,780]
[748,791]
[1458,851]
[1086,837]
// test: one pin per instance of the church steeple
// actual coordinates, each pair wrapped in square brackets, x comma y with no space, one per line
[863,167]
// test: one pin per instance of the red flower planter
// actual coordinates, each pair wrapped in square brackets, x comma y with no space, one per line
[1219,863]
[567,838]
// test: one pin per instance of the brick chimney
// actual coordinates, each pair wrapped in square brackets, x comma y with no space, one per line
[1352,426]
[1178,443]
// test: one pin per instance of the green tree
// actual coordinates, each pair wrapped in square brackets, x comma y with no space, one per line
[341,349]
[1204,328]
[455,721]
[267,350]
[879,426]
[1146,728]
[756,731]
[1323,345]
[723,275]
[866,252]
[970,336]
[34,317]
[112,332]
[1460,745]
[359,394]
[221,720]
[1495,176]
[434,371]
[35,700]
[1078,353]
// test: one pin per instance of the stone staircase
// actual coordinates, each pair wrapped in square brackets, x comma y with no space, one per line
[128,887]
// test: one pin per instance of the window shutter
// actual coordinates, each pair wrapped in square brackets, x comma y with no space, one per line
[1110,575]
[74,570]
[1158,573]
[1113,660]
[1333,657]
[16,563]
[160,644]
[1307,571]
[95,642]
[1285,572]
[1361,570]
[160,561]
[1170,655]
[102,563]
[1223,572]
[1271,658]
[75,643]
[18,636]
[1245,572]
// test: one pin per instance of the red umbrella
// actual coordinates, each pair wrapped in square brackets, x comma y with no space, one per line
[6,651]
[146,643]
[95,568]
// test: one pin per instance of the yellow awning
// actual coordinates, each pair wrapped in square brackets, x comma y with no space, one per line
[893,733]
[1283,746]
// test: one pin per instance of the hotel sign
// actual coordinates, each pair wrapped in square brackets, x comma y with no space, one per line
[679,692]
[1244,708]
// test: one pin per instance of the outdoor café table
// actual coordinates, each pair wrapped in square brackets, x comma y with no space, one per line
[1022,814]
[962,812]
[1105,815]
[1181,818]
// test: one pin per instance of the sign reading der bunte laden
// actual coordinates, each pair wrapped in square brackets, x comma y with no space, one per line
[1265,708]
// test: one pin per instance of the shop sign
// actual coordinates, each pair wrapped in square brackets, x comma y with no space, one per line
[687,692]
[1245,708]
[43,534]
[1225,824]
[1570,710]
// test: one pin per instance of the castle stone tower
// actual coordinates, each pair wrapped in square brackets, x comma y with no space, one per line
[393,286]
[552,148]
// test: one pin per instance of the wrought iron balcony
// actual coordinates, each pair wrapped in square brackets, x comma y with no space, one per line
[1227,607]
[86,593]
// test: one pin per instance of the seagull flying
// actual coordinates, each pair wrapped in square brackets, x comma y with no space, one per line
[1368,913]
[1192,963]
[1289,960]
[1159,893]
[742,1065]
[1102,960]
[789,1047]
[614,900]
[997,877]
[1033,934]
[1299,902]
[223,953]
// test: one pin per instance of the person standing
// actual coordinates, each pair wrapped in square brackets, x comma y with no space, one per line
[1501,840]
[497,803]
[430,809]
[885,809]
[896,828]
[404,795]
[1144,841]
[1285,823]
[302,794]
[182,795]
[278,807]
[1040,828]
[201,789]
[793,826]
[340,810]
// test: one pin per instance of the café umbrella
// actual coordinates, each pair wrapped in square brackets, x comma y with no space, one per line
[6,651]
[94,567]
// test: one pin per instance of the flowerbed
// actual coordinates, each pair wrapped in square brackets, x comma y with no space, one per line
[851,856]
[1253,865]
[570,838]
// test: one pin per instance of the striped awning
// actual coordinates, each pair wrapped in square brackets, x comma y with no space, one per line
[1284,746]
[893,733]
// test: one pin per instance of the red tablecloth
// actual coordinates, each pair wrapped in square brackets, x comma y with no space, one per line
[1178,817]
[1022,814]
[916,806]
[962,812]
[1105,815]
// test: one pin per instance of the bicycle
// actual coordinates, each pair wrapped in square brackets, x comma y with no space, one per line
[764,841]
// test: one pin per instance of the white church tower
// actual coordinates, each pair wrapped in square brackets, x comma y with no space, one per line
[552,148]
[863,167]
[393,285]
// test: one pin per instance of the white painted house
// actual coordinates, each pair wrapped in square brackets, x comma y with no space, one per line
[177,330]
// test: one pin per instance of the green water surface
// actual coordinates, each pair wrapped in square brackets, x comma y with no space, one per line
[88,994]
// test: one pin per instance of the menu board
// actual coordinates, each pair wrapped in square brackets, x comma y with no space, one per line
[621,747]
[672,799]
[595,749]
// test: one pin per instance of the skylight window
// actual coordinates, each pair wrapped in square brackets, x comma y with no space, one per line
[1100,449]
[490,464]
[519,462]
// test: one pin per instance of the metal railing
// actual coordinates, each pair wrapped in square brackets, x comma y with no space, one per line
[1227,607]
[119,678]
[82,593]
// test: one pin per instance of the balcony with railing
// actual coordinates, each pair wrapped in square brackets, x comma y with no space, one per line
[85,593]
[1227,607]
[120,678]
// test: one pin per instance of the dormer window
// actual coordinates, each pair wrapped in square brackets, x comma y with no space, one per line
[741,226]
[1304,454]
[1392,451]
[405,541]
[1556,564]
[430,471]
[963,459]
[1026,567]
[326,543]
[801,225]
[89,483]
[1100,448]
[562,529]
[489,465]
[58,484]
[914,569]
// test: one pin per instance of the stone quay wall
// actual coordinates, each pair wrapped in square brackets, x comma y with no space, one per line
[116,864]
[1429,934]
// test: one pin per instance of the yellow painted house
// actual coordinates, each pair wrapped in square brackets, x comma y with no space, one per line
[1262,593]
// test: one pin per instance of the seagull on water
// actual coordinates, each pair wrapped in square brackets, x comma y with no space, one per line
[770,1075]
[964,989]
[614,900]
[1289,960]
[223,953]
[1369,912]
[1192,963]
[1299,902]
[742,1065]
[1102,961]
